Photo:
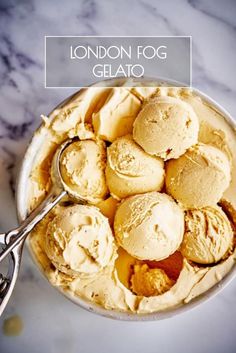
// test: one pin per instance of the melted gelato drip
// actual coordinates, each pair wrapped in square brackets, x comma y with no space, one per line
[13,326]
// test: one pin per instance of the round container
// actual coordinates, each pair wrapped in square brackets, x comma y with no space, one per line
[21,200]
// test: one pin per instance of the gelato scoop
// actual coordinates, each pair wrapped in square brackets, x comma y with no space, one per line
[149,281]
[82,168]
[166,127]
[130,170]
[208,235]
[199,177]
[79,241]
[116,116]
[149,226]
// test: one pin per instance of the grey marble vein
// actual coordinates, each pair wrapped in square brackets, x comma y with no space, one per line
[53,324]
[211,9]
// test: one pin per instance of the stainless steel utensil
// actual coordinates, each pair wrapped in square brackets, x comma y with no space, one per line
[13,241]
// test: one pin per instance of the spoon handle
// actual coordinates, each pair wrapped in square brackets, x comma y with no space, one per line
[7,283]
[15,236]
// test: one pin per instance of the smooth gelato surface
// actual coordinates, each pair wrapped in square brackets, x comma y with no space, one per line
[79,240]
[82,167]
[208,235]
[116,116]
[149,226]
[199,177]
[171,115]
[139,253]
[130,170]
[172,265]
[108,208]
[150,281]
[148,278]
[74,118]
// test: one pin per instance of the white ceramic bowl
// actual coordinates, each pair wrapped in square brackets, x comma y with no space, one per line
[34,147]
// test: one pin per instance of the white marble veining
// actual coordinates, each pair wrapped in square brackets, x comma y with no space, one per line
[51,323]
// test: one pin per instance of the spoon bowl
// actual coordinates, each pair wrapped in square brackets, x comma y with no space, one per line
[12,242]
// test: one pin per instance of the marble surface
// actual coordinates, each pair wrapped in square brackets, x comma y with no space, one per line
[51,323]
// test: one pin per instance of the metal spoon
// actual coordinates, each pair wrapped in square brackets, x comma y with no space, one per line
[12,242]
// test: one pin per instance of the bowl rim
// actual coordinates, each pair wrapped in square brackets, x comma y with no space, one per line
[24,172]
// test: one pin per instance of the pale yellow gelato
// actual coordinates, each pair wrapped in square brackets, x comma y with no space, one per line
[172,265]
[74,117]
[150,281]
[144,93]
[143,90]
[124,266]
[82,167]
[116,116]
[149,226]
[74,245]
[166,127]
[132,171]
[199,177]
[108,208]
[79,241]
[208,235]
[148,277]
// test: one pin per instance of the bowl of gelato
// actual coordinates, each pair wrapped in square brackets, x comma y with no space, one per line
[157,165]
